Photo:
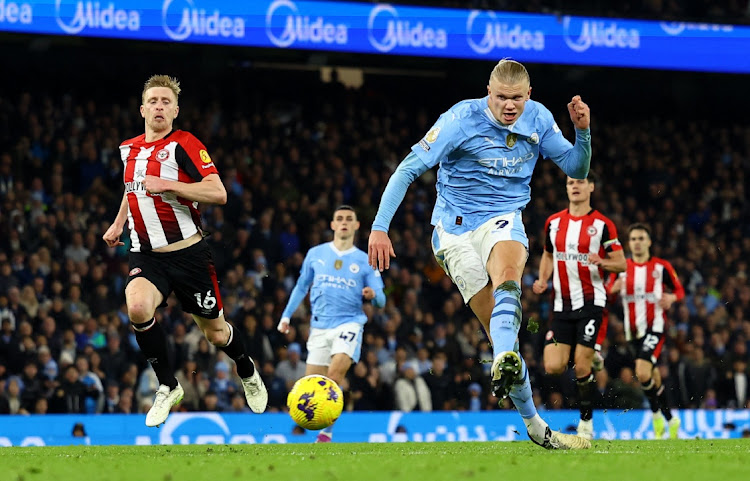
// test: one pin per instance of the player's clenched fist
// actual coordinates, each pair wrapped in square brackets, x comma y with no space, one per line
[380,250]
[154,184]
[112,236]
[579,113]
[539,286]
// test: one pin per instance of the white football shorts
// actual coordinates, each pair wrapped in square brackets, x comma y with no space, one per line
[324,343]
[464,257]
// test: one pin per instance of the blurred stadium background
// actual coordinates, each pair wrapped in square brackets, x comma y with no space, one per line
[299,128]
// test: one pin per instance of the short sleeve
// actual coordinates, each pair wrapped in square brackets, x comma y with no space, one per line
[610,242]
[193,158]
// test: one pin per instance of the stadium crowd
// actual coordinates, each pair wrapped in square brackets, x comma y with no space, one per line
[65,341]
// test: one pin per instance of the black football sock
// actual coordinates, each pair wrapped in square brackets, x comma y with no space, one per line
[585,386]
[152,340]
[662,398]
[236,350]
[649,389]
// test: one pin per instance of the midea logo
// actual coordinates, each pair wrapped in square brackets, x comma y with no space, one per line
[196,21]
[495,34]
[401,32]
[301,28]
[94,15]
[594,33]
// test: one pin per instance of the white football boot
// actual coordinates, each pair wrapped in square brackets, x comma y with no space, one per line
[558,440]
[255,392]
[163,402]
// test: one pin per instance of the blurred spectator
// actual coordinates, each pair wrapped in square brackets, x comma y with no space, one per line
[276,386]
[12,397]
[192,383]
[291,368]
[69,396]
[411,392]
[223,385]
[475,397]
[125,401]
[210,402]
[440,383]
[79,431]
[733,389]
[33,388]
[362,389]
[111,398]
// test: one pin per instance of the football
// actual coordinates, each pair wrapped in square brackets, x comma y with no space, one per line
[315,402]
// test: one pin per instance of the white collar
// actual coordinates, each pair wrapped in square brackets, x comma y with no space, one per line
[341,253]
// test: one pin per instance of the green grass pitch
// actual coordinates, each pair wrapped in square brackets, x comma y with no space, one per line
[680,460]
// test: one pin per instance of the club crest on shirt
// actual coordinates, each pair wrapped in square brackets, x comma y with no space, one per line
[534,139]
[591,230]
[205,157]
[511,139]
[432,135]
[134,271]
[163,154]
[338,264]
[353,268]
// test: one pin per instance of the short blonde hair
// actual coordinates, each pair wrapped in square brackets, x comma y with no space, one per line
[510,72]
[162,81]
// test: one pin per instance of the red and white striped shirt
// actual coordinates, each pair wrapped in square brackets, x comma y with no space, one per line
[571,239]
[161,219]
[642,285]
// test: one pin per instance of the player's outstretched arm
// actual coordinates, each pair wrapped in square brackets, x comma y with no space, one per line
[379,248]
[112,236]
[299,292]
[546,267]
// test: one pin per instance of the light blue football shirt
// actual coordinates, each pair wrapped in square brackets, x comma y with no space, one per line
[485,166]
[335,280]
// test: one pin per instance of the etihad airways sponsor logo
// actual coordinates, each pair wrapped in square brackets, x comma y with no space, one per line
[335,281]
[387,31]
[285,26]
